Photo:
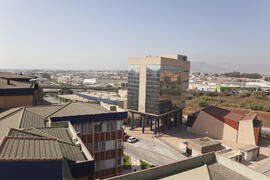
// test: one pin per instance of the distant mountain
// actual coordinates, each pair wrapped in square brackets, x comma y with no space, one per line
[196,66]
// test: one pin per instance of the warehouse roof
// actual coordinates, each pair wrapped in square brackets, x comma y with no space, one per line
[13,84]
[9,75]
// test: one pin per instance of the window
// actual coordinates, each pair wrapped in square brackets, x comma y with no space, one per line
[119,143]
[96,147]
[98,127]
[102,146]
[110,125]
[120,125]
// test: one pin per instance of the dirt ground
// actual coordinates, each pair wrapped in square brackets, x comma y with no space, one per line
[262,116]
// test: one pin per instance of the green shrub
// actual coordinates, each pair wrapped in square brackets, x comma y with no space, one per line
[66,91]
[260,95]
[213,94]
[244,94]
[127,163]
[255,106]
[189,98]
[266,108]
[242,104]
[144,164]
[203,103]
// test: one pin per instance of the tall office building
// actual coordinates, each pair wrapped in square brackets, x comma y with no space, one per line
[157,88]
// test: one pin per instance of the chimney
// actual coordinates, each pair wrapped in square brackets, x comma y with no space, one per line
[8,82]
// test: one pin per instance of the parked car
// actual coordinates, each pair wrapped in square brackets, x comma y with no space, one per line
[132,139]
[125,137]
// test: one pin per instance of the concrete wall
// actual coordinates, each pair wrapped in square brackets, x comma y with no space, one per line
[240,168]
[169,169]
[208,125]
[246,132]
[15,101]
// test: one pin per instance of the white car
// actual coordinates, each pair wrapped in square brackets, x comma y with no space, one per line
[132,139]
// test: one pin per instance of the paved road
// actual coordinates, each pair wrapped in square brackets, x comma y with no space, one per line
[156,153]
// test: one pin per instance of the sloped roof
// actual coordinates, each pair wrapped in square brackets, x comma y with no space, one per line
[30,148]
[79,108]
[68,150]
[31,120]
[223,113]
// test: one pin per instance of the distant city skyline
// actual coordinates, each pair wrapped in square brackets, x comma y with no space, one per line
[101,35]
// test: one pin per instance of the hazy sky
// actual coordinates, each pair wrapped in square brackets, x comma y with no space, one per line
[88,34]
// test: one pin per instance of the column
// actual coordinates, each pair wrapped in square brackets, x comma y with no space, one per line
[175,119]
[151,124]
[170,122]
[132,119]
[158,122]
[181,115]
[155,126]
[142,118]
[163,124]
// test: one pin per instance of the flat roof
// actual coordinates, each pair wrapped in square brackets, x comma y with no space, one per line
[10,75]
[204,141]
[13,84]
[249,148]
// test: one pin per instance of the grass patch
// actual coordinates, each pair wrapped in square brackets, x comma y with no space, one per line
[127,163]
[144,164]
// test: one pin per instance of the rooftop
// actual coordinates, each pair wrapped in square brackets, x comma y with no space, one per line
[9,75]
[223,113]
[13,84]
[36,116]
[204,141]
[61,135]
[207,166]
[249,148]
[30,148]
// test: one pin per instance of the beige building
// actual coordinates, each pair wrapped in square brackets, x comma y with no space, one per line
[157,88]
[223,124]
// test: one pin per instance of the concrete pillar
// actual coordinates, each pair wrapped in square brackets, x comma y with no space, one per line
[163,123]
[155,126]
[175,119]
[151,123]
[170,122]
[181,115]
[142,118]
[132,119]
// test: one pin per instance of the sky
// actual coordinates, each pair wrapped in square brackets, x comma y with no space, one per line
[102,34]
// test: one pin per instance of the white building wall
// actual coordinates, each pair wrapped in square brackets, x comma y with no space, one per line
[246,132]
[208,125]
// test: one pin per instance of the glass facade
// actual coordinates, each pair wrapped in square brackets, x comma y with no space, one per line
[133,86]
[170,88]
[163,88]
[152,89]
